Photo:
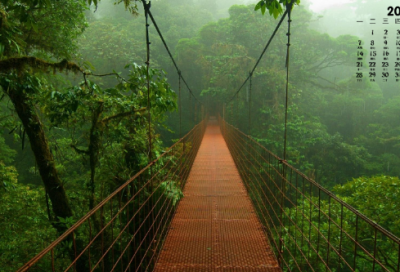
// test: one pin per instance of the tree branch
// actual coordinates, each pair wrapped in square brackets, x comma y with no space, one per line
[103,75]
[330,64]
[79,151]
[321,62]
[319,85]
[387,259]
[20,63]
[333,83]
[122,114]
[4,117]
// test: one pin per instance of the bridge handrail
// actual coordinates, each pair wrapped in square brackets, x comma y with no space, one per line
[100,205]
[331,194]
[250,155]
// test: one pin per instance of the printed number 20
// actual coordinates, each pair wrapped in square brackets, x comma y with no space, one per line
[396,11]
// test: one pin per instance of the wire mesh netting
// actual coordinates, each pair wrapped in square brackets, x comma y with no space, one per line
[309,227]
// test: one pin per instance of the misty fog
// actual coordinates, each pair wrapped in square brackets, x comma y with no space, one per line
[83,110]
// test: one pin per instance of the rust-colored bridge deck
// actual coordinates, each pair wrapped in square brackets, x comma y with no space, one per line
[215,227]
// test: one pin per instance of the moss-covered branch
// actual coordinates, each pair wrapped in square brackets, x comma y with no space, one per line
[122,114]
[19,63]
[78,150]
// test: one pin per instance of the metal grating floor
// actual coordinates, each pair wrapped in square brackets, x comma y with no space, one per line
[215,227]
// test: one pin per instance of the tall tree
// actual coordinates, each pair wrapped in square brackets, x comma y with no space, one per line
[32,34]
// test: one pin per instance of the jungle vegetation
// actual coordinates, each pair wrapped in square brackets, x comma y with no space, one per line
[73,110]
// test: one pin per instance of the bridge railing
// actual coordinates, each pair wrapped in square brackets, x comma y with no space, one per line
[309,228]
[126,230]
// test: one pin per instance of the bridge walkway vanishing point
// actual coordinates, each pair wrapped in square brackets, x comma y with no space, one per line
[215,227]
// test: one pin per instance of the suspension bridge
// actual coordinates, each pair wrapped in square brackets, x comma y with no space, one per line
[242,209]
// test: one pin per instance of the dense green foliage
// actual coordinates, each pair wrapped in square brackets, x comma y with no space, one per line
[337,129]
[358,193]
[383,208]
[93,129]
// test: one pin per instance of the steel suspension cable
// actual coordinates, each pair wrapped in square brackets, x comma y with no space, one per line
[170,54]
[262,54]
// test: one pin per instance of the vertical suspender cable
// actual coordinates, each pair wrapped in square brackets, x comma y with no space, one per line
[190,110]
[283,183]
[180,107]
[289,7]
[180,117]
[250,85]
[206,106]
[146,12]
[237,110]
[195,112]
[232,113]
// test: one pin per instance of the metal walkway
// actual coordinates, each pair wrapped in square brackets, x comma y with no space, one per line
[215,227]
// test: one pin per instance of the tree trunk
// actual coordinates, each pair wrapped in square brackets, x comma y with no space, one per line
[44,158]
[94,146]
[45,163]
